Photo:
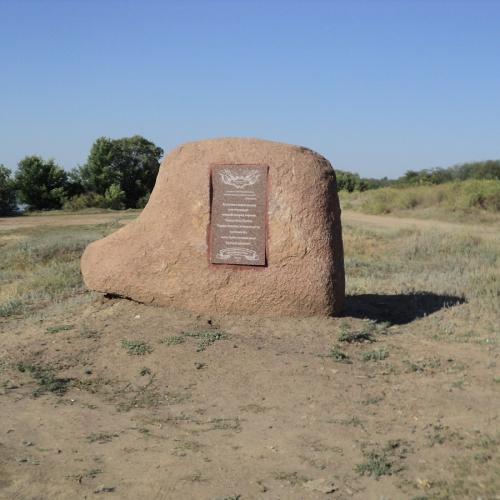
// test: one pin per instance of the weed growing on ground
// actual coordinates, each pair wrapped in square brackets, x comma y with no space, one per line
[340,357]
[293,478]
[224,424]
[383,462]
[101,437]
[136,347]
[59,328]
[206,338]
[173,340]
[45,378]
[376,355]
[421,364]
[364,335]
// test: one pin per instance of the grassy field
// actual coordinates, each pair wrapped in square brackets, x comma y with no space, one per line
[397,399]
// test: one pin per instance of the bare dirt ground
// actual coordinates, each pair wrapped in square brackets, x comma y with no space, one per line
[12,223]
[387,221]
[397,399]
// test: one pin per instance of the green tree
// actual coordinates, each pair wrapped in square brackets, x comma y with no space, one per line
[42,184]
[347,181]
[8,203]
[130,163]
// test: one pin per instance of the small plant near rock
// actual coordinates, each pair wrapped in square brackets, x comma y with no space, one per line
[136,347]
[206,338]
[376,355]
[352,337]
[144,371]
[340,357]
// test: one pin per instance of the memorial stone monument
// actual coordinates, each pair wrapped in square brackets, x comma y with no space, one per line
[233,225]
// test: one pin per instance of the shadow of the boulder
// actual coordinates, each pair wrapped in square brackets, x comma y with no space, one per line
[397,309]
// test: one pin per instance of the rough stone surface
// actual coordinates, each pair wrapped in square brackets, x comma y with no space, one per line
[162,256]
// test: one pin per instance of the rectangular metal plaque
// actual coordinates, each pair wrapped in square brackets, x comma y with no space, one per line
[238,219]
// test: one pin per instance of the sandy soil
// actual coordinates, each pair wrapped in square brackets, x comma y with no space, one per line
[11,223]
[387,221]
[258,410]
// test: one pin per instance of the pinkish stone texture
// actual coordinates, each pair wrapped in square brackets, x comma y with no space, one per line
[162,256]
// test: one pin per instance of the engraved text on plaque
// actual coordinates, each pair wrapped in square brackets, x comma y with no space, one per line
[238,229]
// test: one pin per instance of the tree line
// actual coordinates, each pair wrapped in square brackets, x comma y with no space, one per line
[118,174]
[488,169]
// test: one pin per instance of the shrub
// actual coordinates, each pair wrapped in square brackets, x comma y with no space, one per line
[87,200]
[114,197]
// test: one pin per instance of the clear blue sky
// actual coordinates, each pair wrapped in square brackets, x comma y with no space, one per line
[377,87]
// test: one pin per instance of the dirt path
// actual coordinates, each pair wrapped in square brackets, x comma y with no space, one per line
[10,223]
[390,222]
[348,216]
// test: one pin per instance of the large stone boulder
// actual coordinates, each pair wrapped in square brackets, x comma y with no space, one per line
[163,257]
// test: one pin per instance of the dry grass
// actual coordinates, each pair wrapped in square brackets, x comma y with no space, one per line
[473,200]
[42,266]
[408,261]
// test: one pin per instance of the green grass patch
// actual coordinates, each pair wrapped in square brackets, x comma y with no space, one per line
[136,347]
[173,340]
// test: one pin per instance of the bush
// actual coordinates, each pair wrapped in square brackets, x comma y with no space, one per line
[114,197]
[87,200]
